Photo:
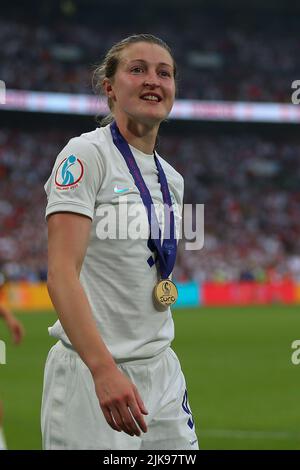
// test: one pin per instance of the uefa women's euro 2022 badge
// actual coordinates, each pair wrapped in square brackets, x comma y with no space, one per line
[69,173]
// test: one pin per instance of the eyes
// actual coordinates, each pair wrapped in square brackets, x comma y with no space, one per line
[137,70]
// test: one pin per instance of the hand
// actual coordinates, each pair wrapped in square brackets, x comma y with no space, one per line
[120,402]
[16,329]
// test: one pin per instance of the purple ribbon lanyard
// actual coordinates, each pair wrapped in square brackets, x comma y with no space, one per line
[166,252]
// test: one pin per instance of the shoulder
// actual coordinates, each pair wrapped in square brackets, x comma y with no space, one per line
[97,142]
[96,138]
[90,148]
[87,142]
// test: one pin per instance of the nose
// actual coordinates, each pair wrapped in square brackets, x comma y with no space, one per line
[151,84]
[151,80]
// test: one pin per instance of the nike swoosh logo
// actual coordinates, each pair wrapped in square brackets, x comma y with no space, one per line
[193,442]
[121,190]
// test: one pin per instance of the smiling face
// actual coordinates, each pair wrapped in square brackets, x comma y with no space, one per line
[143,88]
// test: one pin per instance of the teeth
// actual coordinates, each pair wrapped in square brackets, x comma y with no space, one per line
[150,97]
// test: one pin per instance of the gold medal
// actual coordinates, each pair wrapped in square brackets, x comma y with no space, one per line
[165,294]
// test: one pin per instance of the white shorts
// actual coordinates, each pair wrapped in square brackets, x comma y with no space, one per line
[72,418]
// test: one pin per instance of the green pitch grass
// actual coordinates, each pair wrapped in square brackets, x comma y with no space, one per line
[243,388]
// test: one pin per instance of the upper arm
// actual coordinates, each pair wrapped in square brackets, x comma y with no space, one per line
[75,179]
[72,193]
[68,237]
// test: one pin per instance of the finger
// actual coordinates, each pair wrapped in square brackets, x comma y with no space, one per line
[140,402]
[14,336]
[118,417]
[110,420]
[129,420]
[15,339]
[17,336]
[136,413]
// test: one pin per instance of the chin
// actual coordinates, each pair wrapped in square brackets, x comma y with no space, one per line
[152,118]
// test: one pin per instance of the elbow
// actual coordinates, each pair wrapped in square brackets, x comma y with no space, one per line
[55,277]
[50,282]
[59,276]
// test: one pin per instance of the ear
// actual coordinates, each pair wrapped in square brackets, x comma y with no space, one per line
[108,88]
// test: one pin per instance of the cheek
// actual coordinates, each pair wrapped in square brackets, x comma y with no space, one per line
[124,89]
[171,94]
[171,90]
[125,97]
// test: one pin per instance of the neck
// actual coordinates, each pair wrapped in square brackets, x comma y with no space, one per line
[139,135]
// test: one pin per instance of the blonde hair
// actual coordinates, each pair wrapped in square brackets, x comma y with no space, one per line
[109,65]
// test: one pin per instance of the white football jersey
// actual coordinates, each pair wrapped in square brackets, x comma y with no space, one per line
[90,177]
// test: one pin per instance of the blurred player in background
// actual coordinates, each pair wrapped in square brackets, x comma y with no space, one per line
[17,332]
[113,296]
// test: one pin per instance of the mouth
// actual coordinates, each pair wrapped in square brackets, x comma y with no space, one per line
[153,97]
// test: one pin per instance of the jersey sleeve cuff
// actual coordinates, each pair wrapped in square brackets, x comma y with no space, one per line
[74,208]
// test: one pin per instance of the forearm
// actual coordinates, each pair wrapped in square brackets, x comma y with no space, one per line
[74,311]
[5,313]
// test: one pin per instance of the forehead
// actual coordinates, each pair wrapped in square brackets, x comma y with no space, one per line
[152,53]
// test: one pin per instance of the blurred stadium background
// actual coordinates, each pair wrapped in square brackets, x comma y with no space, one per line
[233,135]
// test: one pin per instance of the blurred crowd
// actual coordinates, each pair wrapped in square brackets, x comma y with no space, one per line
[219,56]
[249,185]
[25,163]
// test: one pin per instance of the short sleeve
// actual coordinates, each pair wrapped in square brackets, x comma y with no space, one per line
[75,179]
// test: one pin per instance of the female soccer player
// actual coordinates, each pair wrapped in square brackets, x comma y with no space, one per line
[112,381]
